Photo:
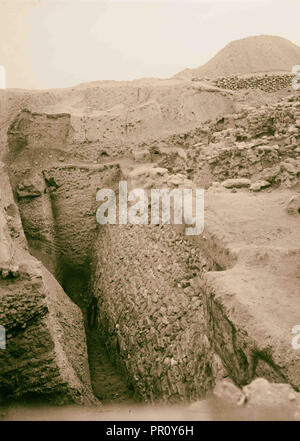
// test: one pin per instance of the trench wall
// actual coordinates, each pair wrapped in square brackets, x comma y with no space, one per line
[45,356]
[57,208]
[148,283]
[163,319]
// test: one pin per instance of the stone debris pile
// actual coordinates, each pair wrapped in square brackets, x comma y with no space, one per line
[266,82]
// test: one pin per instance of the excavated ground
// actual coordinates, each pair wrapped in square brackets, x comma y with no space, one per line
[175,315]
[108,382]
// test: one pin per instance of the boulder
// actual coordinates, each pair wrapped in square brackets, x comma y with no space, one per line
[259,185]
[262,393]
[30,188]
[236,183]
[229,392]
[293,205]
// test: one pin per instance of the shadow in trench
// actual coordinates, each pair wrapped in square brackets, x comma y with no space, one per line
[108,382]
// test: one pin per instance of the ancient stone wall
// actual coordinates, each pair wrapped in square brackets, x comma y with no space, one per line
[267,83]
[174,336]
[148,283]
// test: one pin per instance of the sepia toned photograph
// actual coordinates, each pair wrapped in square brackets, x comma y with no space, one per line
[149,213]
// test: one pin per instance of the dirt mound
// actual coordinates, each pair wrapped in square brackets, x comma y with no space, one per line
[262,53]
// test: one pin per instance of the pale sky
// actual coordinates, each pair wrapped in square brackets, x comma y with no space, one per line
[61,43]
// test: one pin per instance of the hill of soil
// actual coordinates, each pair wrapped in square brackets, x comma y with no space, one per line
[262,53]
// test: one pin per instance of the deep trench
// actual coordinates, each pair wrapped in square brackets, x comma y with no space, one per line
[108,382]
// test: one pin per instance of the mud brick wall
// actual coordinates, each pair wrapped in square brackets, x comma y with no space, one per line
[152,314]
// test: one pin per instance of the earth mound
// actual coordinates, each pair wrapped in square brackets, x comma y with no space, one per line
[261,53]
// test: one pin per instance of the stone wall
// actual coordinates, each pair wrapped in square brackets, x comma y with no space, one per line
[260,144]
[148,283]
[167,320]
[267,83]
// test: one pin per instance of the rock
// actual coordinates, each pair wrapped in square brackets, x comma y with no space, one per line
[269,174]
[179,180]
[9,271]
[236,183]
[173,362]
[262,393]
[293,205]
[229,392]
[290,168]
[141,155]
[5,273]
[259,185]
[265,148]
[175,180]
[15,271]
[28,189]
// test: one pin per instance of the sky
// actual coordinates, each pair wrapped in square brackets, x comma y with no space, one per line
[61,43]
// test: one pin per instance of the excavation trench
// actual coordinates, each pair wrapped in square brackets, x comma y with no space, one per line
[108,382]
[140,289]
[154,331]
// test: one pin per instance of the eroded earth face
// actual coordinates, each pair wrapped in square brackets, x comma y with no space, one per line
[123,313]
